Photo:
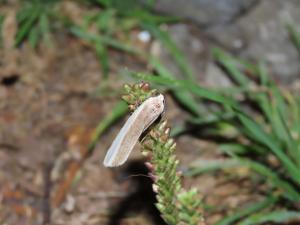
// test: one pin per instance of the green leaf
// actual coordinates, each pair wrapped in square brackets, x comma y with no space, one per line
[231,66]
[288,191]
[261,136]
[1,26]
[105,19]
[240,149]
[189,86]
[263,75]
[33,37]
[167,42]
[205,166]
[279,216]
[295,36]
[25,27]
[44,28]
[104,40]
[213,118]
[183,97]
[254,207]
[102,55]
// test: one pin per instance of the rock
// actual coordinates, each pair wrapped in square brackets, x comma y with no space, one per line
[193,46]
[251,29]
[204,12]
[262,35]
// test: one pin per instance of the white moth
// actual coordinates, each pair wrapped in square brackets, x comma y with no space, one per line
[136,124]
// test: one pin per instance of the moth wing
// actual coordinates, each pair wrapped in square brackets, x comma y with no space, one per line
[125,140]
[129,135]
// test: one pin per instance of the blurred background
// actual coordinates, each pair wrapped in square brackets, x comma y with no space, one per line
[63,65]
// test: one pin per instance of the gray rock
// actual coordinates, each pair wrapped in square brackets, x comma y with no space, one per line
[251,29]
[194,47]
[262,35]
[204,12]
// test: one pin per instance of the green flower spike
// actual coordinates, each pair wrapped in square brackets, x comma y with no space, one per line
[177,206]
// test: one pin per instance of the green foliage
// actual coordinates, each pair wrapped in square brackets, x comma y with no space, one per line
[279,216]
[113,18]
[101,44]
[295,36]
[176,205]
[264,134]
[178,56]
[34,21]
[183,97]
[1,25]
[252,208]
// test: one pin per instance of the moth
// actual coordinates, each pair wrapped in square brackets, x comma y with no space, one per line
[129,134]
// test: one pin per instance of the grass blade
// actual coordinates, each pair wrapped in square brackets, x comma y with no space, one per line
[287,190]
[263,75]
[45,27]
[240,149]
[279,216]
[33,37]
[267,202]
[191,87]
[295,36]
[183,97]
[2,18]
[167,41]
[102,54]
[24,28]
[230,65]
[205,166]
[103,40]
[259,134]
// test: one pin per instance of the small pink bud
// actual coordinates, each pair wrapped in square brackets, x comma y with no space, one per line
[145,86]
[149,165]
[153,177]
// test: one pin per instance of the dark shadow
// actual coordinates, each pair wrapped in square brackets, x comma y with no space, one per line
[141,200]
[10,80]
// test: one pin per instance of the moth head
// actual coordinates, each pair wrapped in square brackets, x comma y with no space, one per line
[159,103]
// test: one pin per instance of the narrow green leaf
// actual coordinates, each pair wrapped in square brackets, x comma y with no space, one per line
[189,86]
[102,55]
[279,216]
[2,17]
[104,40]
[212,118]
[295,36]
[240,149]
[147,17]
[24,28]
[44,28]
[204,166]
[231,67]
[167,41]
[288,191]
[254,207]
[261,136]
[105,19]
[34,37]
[263,74]
[183,97]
